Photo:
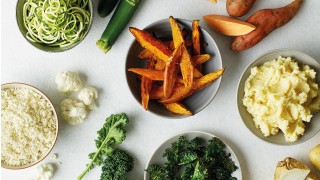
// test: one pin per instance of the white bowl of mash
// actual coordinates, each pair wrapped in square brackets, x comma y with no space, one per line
[278,97]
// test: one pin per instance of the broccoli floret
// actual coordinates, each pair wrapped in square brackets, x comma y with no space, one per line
[116,165]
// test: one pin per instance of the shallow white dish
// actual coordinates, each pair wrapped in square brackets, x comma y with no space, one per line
[312,128]
[157,158]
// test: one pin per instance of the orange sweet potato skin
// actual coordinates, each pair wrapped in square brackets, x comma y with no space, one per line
[266,21]
[238,7]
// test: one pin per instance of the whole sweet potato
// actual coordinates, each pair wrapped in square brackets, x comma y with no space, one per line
[239,7]
[266,21]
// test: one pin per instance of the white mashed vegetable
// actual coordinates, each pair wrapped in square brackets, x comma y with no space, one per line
[280,94]
[28,127]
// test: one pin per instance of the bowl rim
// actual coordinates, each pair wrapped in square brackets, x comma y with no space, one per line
[91,11]
[5,166]
[176,135]
[218,81]
[238,101]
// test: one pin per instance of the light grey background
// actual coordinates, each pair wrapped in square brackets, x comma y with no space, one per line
[22,62]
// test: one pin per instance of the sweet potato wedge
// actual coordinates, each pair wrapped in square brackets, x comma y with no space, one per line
[227,25]
[186,67]
[145,86]
[200,59]
[196,37]
[171,71]
[239,7]
[177,35]
[180,93]
[266,21]
[178,108]
[149,73]
[147,41]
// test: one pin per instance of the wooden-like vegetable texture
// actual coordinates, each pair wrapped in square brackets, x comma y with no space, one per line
[266,21]
[239,7]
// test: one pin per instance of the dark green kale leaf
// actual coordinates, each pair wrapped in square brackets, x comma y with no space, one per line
[116,165]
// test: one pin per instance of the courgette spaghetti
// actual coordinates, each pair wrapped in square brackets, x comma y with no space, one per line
[56,22]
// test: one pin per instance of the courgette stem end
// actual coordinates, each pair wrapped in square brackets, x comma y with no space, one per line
[103,45]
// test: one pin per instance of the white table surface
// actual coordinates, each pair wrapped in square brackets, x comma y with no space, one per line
[22,62]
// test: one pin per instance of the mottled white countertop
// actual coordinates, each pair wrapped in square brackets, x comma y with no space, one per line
[21,62]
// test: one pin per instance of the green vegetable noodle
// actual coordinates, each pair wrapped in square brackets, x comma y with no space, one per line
[191,160]
[112,133]
[56,22]
[119,20]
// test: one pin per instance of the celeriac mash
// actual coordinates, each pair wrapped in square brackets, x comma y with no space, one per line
[280,94]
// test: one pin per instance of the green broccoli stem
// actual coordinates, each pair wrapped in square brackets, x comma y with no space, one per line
[97,153]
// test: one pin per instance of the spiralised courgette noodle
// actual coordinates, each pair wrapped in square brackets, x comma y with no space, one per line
[56,22]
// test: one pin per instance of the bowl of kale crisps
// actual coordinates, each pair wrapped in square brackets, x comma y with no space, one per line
[193,155]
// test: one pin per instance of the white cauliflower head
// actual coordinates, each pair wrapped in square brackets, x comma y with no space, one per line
[73,111]
[88,95]
[45,172]
[68,81]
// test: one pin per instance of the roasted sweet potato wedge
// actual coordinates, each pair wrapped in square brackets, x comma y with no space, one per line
[145,86]
[177,35]
[180,93]
[178,108]
[186,68]
[196,37]
[149,73]
[171,71]
[147,41]
[200,59]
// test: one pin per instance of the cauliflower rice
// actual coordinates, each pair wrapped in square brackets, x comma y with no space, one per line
[28,126]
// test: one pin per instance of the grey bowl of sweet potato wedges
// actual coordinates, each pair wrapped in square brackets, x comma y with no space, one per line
[173,67]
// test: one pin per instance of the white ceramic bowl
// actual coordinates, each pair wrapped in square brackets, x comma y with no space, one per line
[23,85]
[312,128]
[196,102]
[157,157]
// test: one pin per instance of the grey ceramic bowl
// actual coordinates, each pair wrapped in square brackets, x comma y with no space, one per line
[23,85]
[157,157]
[42,46]
[197,101]
[312,128]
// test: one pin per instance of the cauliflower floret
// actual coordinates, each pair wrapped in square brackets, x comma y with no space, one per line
[88,95]
[68,81]
[45,172]
[73,111]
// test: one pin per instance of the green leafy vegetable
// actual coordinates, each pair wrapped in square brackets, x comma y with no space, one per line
[116,165]
[191,160]
[112,133]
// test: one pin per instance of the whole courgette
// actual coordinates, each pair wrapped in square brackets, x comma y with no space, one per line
[119,20]
[105,7]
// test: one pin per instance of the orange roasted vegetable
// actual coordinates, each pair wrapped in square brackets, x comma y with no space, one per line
[145,87]
[178,108]
[200,59]
[186,68]
[177,35]
[171,71]
[149,73]
[196,37]
[266,21]
[147,41]
[180,93]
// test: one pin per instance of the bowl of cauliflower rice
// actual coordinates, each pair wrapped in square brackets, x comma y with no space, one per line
[29,126]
